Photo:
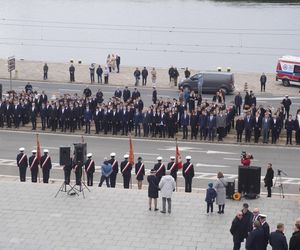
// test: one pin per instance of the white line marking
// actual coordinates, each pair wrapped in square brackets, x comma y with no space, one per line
[145,154]
[72,90]
[211,165]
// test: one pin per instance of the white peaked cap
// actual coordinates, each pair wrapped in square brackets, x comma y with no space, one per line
[21,149]
[113,154]
[159,158]
[172,157]
[89,155]
[188,157]
[126,156]
[46,151]
[33,151]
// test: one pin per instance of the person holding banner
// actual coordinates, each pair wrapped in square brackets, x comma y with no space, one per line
[46,165]
[34,166]
[89,169]
[22,163]
[140,172]
[188,174]
[115,169]
[160,168]
[126,168]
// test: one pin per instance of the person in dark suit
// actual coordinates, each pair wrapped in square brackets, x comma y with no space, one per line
[17,114]
[278,239]
[115,169]
[45,69]
[67,171]
[22,164]
[236,230]
[295,239]
[137,75]
[46,165]
[118,62]
[72,73]
[126,94]
[188,174]
[246,220]
[263,80]
[173,167]
[140,172]
[89,169]
[266,229]
[118,93]
[99,73]
[126,168]
[87,120]
[146,123]
[211,126]
[33,116]
[275,129]
[202,123]
[154,95]
[185,121]
[248,125]
[43,114]
[238,101]
[160,168]
[257,126]
[34,166]
[289,126]
[286,102]
[269,179]
[256,238]
[144,76]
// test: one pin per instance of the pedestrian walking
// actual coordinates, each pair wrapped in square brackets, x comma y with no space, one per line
[46,165]
[144,76]
[118,62]
[236,230]
[140,172]
[278,239]
[210,197]
[295,239]
[220,187]
[152,189]
[263,80]
[167,187]
[153,76]
[45,70]
[137,75]
[269,179]
[106,170]
[22,164]
[188,174]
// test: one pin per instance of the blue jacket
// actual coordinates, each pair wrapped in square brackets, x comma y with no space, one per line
[211,194]
[106,169]
[87,115]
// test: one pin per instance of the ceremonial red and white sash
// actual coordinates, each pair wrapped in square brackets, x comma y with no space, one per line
[89,166]
[47,158]
[173,166]
[160,168]
[115,161]
[140,169]
[124,169]
[75,167]
[188,168]
[33,162]
[20,161]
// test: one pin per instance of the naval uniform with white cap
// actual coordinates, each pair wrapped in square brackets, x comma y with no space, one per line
[160,168]
[89,169]
[34,166]
[126,168]
[115,169]
[173,167]
[46,165]
[266,228]
[188,174]
[22,163]
[140,172]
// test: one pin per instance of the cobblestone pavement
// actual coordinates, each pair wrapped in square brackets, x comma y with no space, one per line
[31,218]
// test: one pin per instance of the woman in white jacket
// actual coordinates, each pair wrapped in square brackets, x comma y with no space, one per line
[167,186]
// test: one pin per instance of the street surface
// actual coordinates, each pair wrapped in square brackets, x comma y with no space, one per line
[208,158]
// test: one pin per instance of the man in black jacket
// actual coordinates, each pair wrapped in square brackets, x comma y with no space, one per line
[277,238]
[295,239]
[269,178]
[246,221]
[263,80]
[237,231]
[144,76]
[256,238]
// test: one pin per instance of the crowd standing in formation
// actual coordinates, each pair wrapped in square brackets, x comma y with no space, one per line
[125,113]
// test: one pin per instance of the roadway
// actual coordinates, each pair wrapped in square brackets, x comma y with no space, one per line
[208,158]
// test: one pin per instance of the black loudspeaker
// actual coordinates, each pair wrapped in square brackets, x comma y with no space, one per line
[0,91]
[80,152]
[249,180]
[64,155]
[230,189]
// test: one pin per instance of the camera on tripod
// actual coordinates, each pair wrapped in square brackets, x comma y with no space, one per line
[279,172]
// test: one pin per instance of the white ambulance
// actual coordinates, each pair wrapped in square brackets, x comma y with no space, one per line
[288,70]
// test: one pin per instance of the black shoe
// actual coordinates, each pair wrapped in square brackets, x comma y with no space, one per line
[163,212]
[149,208]
[219,212]
[155,209]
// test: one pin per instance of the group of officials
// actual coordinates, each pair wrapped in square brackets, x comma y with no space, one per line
[111,173]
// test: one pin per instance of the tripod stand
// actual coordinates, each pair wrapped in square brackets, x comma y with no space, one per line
[63,187]
[278,182]
[81,183]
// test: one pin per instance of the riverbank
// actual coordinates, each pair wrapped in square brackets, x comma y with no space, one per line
[59,72]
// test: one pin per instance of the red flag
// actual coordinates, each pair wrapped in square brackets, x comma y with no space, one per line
[131,155]
[38,148]
[178,157]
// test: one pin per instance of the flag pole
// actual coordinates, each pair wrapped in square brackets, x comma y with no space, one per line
[38,149]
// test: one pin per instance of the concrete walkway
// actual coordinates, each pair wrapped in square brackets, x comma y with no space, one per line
[31,218]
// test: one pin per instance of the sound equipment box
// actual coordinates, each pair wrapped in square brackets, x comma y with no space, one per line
[249,180]
[64,155]
[80,152]
[230,189]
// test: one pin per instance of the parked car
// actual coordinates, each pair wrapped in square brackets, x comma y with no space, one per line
[211,82]
[288,70]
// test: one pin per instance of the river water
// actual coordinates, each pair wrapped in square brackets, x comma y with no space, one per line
[202,35]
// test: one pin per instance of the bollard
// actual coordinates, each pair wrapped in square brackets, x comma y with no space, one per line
[219,69]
